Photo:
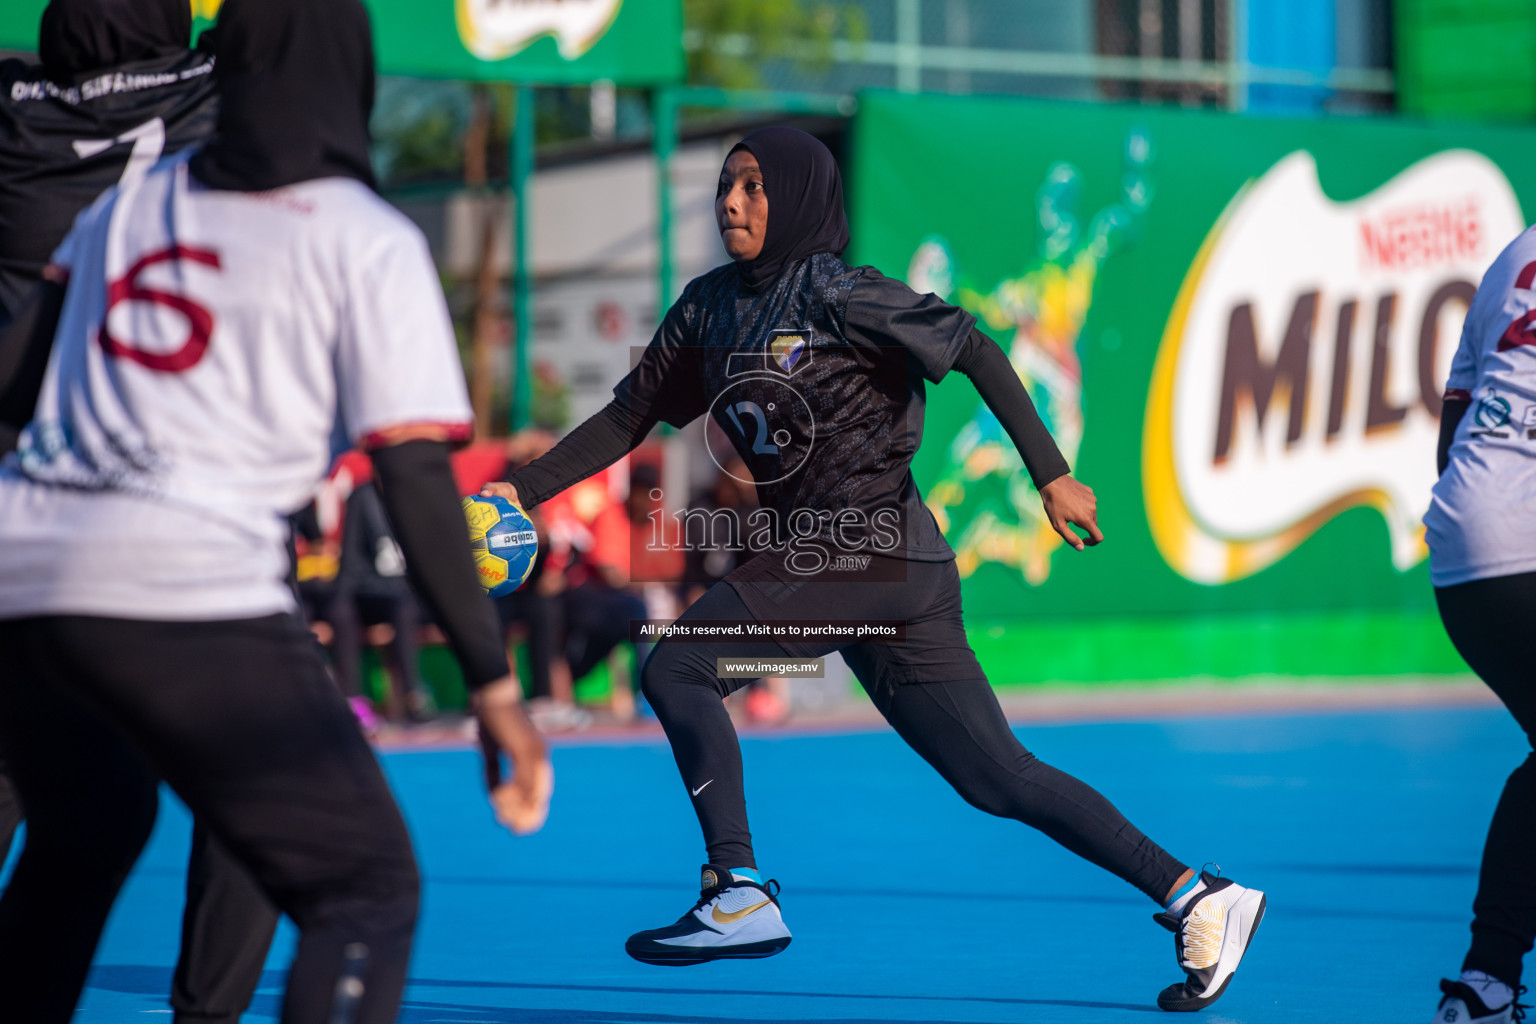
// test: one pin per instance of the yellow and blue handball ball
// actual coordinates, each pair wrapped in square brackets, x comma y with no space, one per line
[504,541]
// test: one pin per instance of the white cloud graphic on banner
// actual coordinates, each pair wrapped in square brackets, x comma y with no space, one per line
[495,29]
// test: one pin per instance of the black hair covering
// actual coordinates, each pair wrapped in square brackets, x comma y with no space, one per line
[296,87]
[805,202]
[80,36]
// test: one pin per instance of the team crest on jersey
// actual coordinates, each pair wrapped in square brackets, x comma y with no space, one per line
[788,350]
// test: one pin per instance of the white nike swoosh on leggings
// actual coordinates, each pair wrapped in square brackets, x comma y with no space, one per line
[696,792]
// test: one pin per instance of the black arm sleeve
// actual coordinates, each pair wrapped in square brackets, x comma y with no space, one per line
[416,482]
[26,341]
[1451,412]
[602,440]
[982,360]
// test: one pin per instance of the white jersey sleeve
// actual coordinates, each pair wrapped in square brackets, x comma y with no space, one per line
[397,362]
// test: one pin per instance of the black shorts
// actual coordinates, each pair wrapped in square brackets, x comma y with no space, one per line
[924,596]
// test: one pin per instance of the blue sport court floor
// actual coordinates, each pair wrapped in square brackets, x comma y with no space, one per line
[907,905]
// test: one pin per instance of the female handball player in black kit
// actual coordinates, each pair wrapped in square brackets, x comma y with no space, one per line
[815,371]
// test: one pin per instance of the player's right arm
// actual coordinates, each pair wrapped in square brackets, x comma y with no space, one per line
[597,443]
[403,399]
[417,485]
[663,386]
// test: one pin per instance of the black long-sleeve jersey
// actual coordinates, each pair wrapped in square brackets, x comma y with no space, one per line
[62,145]
[818,383]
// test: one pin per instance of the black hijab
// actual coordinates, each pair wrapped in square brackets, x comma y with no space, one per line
[295,91]
[805,202]
[80,36]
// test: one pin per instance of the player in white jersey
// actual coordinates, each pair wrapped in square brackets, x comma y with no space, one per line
[221,316]
[1481,529]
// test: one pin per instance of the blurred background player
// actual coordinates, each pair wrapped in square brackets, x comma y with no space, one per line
[187,420]
[842,353]
[371,592]
[60,147]
[616,580]
[590,531]
[1481,530]
[707,561]
[535,612]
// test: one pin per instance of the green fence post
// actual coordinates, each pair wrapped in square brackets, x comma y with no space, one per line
[664,118]
[523,140]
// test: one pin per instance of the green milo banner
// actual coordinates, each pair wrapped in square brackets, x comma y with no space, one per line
[1238,330]
[632,42]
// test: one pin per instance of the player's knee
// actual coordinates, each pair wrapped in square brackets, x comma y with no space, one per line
[657,669]
[373,893]
[397,879]
[1003,790]
[1524,774]
[398,901]
[379,901]
[995,800]
[671,668]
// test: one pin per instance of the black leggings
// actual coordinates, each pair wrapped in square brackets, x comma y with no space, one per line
[241,720]
[10,810]
[350,613]
[1487,621]
[955,725]
[226,931]
[226,927]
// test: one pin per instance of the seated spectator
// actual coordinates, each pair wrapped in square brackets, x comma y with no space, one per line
[590,528]
[706,563]
[764,701]
[371,590]
[316,560]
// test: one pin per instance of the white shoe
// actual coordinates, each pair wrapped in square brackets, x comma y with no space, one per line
[1209,940]
[550,716]
[735,919]
[1462,1005]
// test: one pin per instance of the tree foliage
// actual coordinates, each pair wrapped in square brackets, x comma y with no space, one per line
[729,40]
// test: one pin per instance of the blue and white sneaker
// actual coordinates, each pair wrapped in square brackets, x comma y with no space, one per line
[1210,937]
[1460,1003]
[735,919]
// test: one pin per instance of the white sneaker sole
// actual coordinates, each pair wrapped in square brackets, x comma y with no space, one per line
[1243,919]
[661,954]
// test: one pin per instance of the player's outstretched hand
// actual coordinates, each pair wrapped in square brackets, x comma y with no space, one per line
[1067,501]
[521,803]
[497,489]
